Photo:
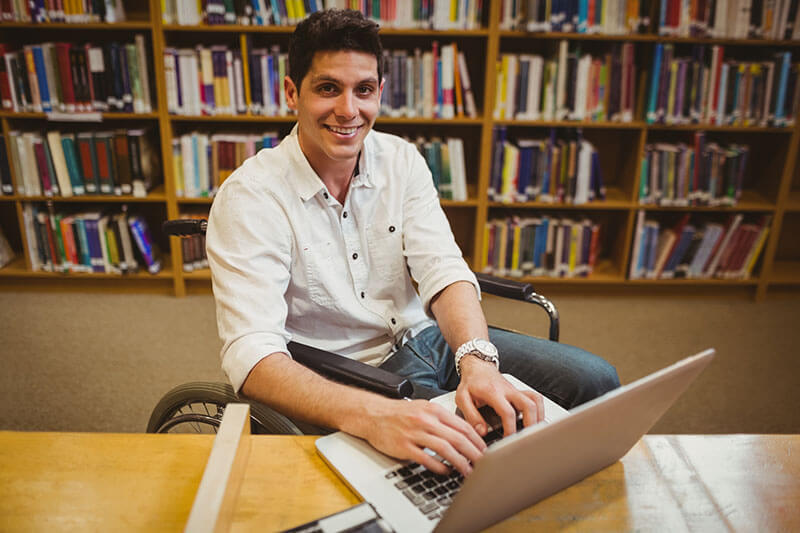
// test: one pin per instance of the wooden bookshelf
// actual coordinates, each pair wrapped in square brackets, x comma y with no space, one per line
[775,192]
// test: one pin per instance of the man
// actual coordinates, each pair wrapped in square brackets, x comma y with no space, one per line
[318,240]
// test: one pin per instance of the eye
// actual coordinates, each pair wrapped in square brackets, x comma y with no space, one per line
[365,90]
[327,88]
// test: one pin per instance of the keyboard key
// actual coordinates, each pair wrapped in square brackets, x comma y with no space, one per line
[444,501]
[404,471]
[429,507]
[440,490]
[452,485]
[430,495]
[401,485]
[419,488]
[433,516]
[427,474]
[414,498]
[429,483]
[413,479]
[390,475]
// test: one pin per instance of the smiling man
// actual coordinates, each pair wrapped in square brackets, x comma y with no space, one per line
[322,239]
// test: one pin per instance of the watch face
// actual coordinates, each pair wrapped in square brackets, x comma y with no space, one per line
[486,347]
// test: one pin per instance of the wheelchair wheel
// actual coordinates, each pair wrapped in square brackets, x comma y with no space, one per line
[198,408]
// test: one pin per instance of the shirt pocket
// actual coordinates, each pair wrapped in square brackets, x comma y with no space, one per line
[322,273]
[385,241]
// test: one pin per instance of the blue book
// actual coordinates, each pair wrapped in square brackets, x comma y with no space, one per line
[73,164]
[93,241]
[678,252]
[723,89]
[652,245]
[496,178]
[524,171]
[41,76]
[662,18]
[196,164]
[439,92]
[522,94]
[780,105]
[583,15]
[83,245]
[270,104]
[655,83]
[144,243]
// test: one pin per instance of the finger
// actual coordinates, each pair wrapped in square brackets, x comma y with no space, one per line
[446,452]
[463,445]
[462,428]
[471,414]
[418,455]
[529,404]
[506,412]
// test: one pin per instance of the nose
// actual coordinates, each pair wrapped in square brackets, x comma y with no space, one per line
[346,105]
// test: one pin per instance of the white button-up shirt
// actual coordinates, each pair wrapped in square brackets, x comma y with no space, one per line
[289,262]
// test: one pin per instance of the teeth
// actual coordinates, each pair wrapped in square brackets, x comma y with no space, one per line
[343,131]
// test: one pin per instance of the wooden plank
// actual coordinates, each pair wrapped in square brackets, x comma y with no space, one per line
[214,503]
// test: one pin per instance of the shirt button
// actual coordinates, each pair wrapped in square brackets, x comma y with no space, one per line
[391,229]
[344,215]
[325,195]
[362,294]
[394,321]
[355,256]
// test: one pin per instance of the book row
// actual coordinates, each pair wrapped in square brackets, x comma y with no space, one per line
[69,78]
[610,17]
[193,253]
[429,14]
[221,80]
[570,86]
[92,241]
[431,84]
[55,163]
[704,173]
[697,250]
[705,88]
[69,11]
[445,159]
[562,168]
[202,161]
[541,246]
[732,19]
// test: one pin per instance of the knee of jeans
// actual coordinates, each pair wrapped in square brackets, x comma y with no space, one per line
[596,380]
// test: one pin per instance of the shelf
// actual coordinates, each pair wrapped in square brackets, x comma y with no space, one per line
[750,201]
[605,273]
[711,127]
[646,38]
[156,195]
[110,26]
[18,269]
[694,282]
[282,119]
[616,199]
[204,274]
[793,202]
[200,200]
[634,125]
[76,117]
[444,203]
[242,28]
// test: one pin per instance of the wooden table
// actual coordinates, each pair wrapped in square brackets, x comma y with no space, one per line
[102,482]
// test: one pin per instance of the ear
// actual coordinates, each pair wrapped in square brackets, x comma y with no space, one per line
[291,91]
[380,88]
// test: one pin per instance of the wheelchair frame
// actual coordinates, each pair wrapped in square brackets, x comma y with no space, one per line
[199,406]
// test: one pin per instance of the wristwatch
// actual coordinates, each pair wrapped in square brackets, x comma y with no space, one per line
[481,348]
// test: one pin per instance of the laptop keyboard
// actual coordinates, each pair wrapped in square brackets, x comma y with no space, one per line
[433,493]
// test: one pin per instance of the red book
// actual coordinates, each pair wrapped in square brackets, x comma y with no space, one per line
[5,84]
[65,75]
[44,172]
[715,96]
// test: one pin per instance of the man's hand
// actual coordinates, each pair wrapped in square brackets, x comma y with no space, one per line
[403,429]
[482,384]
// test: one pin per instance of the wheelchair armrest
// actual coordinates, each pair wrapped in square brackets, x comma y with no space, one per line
[350,371]
[517,290]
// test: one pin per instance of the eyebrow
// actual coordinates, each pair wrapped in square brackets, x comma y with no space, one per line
[326,77]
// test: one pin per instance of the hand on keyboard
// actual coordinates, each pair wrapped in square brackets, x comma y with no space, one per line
[494,422]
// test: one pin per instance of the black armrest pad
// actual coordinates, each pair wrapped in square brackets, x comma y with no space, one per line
[504,287]
[350,371]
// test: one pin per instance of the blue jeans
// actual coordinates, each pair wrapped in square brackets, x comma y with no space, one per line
[567,375]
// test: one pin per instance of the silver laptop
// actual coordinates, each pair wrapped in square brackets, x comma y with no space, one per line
[514,472]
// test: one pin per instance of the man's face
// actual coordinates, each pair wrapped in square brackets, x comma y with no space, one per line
[336,106]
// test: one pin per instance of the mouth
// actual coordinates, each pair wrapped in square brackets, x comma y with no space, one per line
[344,132]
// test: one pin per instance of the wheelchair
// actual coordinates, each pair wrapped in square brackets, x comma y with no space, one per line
[198,407]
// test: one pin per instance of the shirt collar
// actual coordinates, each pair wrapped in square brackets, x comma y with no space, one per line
[306,180]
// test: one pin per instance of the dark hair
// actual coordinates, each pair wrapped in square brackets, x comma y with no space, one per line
[332,30]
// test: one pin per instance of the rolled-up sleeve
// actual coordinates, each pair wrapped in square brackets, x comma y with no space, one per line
[433,257]
[249,245]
